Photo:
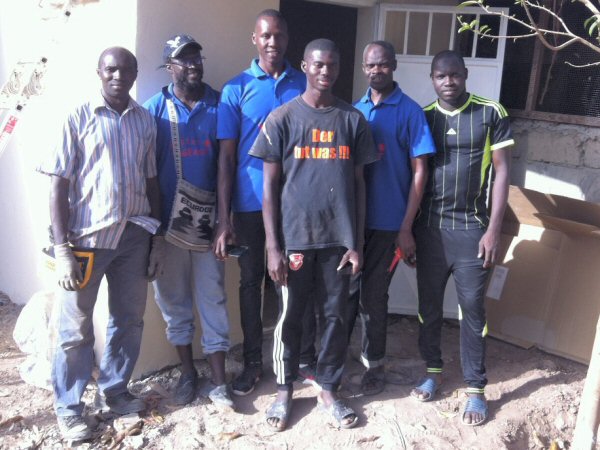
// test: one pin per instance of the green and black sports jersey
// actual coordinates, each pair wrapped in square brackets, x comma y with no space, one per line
[456,193]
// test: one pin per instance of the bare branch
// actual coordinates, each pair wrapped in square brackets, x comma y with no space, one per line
[561,29]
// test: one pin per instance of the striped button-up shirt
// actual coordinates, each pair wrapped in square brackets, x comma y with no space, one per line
[107,159]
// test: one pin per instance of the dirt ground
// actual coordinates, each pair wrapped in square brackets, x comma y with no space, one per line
[533,401]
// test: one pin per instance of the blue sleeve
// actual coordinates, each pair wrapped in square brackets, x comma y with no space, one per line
[420,139]
[229,117]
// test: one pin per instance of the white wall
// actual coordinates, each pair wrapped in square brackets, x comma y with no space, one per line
[72,47]
[222,27]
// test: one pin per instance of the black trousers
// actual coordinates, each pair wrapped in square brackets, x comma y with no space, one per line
[250,231]
[441,253]
[369,295]
[313,273]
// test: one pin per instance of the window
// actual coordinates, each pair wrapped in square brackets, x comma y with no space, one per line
[538,83]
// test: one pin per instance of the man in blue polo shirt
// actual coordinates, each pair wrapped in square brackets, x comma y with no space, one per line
[190,277]
[395,185]
[246,101]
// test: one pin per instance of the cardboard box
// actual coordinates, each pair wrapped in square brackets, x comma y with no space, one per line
[546,291]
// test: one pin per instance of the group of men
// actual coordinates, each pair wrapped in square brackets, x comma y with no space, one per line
[323,188]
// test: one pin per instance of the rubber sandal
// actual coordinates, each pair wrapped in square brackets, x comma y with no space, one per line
[280,411]
[339,411]
[475,405]
[372,383]
[429,386]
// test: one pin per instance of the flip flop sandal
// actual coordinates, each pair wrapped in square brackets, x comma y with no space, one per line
[429,386]
[280,411]
[475,405]
[372,383]
[339,411]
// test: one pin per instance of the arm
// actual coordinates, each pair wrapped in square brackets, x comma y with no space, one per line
[405,239]
[276,262]
[153,194]
[355,256]
[67,269]
[59,208]
[158,247]
[488,245]
[225,177]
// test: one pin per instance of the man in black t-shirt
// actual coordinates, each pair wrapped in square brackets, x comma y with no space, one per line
[454,233]
[314,149]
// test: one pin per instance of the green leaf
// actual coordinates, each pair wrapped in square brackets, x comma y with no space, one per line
[591,24]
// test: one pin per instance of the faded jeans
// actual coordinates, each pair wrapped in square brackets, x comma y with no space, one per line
[193,278]
[125,269]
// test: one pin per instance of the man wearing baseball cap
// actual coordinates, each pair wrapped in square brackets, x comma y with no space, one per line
[190,277]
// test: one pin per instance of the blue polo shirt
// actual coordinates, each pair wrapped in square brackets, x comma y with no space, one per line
[246,101]
[401,132]
[198,144]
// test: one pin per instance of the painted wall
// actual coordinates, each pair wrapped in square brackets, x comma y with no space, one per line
[72,48]
[222,27]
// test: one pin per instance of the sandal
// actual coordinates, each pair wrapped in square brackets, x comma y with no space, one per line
[429,386]
[281,411]
[475,405]
[339,411]
[372,382]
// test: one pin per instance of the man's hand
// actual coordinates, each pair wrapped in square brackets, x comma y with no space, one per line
[156,260]
[223,236]
[488,247]
[68,271]
[354,257]
[405,241]
[277,266]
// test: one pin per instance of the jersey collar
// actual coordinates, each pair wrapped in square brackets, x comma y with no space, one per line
[456,111]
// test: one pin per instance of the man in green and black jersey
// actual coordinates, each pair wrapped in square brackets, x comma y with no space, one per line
[455,232]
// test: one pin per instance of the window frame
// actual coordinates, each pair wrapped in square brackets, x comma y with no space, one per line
[533,90]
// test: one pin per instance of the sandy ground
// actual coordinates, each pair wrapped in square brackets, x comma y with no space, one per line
[533,401]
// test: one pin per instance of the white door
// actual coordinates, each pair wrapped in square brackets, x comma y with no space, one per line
[418,32]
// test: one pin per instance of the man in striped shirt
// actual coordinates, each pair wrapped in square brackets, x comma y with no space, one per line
[454,232]
[104,199]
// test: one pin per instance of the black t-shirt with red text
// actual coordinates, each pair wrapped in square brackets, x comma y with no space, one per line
[318,149]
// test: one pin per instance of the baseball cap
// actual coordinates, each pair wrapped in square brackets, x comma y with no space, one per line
[176,44]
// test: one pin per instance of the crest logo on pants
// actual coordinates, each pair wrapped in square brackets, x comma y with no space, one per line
[296,261]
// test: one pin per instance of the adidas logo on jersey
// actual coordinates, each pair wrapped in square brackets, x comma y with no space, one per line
[451,132]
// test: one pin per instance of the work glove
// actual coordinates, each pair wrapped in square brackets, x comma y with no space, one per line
[67,268]
[156,260]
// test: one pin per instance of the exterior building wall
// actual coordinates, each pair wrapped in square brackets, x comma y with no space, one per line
[557,159]
[72,48]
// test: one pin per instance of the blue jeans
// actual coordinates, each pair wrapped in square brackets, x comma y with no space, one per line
[125,269]
[193,278]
